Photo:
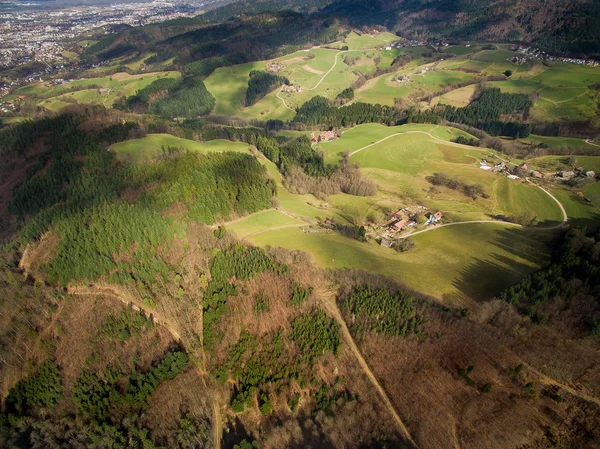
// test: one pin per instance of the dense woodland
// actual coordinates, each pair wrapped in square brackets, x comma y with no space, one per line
[260,84]
[572,282]
[80,196]
[485,113]
[170,98]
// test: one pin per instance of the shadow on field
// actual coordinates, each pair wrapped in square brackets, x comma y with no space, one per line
[484,279]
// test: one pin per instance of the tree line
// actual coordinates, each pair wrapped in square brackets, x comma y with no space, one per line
[261,83]
[574,272]
[170,98]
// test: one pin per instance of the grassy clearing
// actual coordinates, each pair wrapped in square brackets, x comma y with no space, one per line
[363,135]
[552,164]
[458,97]
[452,264]
[150,147]
[260,222]
[519,197]
[580,212]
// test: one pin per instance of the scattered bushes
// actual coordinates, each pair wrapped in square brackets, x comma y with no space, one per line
[300,293]
[471,190]
[404,245]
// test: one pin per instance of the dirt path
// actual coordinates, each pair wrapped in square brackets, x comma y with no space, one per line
[549,381]
[274,228]
[331,306]
[562,209]
[588,141]
[283,101]
[433,228]
[106,291]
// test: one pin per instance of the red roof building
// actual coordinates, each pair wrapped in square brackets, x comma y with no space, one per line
[399,225]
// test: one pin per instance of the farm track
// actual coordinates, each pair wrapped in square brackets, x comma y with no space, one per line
[335,61]
[330,305]
[136,305]
[564,212]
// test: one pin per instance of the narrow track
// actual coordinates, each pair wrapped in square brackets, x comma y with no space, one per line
[331,306]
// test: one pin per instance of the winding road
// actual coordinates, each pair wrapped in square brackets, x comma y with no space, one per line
[432,228]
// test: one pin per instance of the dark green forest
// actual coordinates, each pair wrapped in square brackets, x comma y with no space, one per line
[80,196]
[260,84]
[170,98]
[572,276]
[484,113]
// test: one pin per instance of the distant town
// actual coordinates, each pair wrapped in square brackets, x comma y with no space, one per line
[33,34]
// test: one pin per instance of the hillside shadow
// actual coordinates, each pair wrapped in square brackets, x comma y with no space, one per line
[234,434]
[591,223]
[484,279]
[523,244]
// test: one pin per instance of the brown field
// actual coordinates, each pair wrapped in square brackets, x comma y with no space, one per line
[311,70]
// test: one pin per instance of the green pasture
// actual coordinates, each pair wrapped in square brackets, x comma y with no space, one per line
[558,142]
[516,197]
[303,68]
[401,163]
[551,164]
[150,147]
[367,134]
[454,264]
[367,41]
[85,91]
[261,222]
[592,193]
[458,97]
[581,212]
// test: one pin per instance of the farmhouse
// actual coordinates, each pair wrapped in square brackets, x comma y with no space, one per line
[399,225]
[500,167]
[566,175]
[434,218]
[273,67]
[291,88]
[590,174]
[537,174]
[324,136]
[524,166]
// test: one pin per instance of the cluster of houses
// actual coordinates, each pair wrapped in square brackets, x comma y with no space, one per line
[579,172]
[324,136]
[59,81]
[273,67]
[524,170]
[529,54]
[291,88]
[403,219]
[512,173]
[403,79]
